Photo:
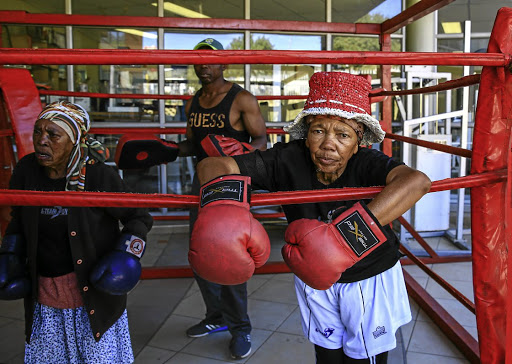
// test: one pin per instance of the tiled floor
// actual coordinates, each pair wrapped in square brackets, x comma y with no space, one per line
[161,310]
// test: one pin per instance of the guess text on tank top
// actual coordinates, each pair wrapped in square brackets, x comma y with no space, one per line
[206,120]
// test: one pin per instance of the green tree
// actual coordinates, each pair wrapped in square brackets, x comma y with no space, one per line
[260,43]
[235,73]
[350,43]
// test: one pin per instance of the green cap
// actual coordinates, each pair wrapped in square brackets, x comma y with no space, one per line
[210,43]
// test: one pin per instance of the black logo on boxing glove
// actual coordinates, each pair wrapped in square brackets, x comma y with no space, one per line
[357,233]
[223,190]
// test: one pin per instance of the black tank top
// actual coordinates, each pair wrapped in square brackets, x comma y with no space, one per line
[214,120]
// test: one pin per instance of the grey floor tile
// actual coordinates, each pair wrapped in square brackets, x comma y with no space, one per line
[459,312]
[171,336]
[398,355]
[12,310]
[421,358]
[277,291]
[407,330]
[12,340]
[192,290]
[18,359]
[256,282]
[427,338]
[415,271]
[181,358]
[438,292]
[285,277]
[455,271]
[267,315]
[192,306]
[213,346]
[292,324]
[149,305]
[282,348]
[151,355]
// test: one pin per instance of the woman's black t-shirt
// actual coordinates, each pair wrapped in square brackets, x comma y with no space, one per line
[288,167]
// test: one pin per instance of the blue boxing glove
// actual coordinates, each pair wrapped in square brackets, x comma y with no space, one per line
[119,271]
[14,283]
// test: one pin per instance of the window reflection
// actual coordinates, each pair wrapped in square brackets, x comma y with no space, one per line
[203,9]
[311,10]
[364,11]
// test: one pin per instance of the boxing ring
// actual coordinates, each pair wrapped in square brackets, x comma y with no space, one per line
[491,156]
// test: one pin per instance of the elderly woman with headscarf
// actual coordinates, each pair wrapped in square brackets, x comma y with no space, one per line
[348,278]
[73,265]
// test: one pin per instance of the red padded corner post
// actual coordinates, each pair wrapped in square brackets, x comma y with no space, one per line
[23,105]
[490,211]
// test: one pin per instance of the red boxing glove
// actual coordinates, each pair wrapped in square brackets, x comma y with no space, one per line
[221,146]
[318,252]
[227,242]
[144,151]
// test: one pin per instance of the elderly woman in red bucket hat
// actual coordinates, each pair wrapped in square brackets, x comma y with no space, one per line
[73,265]
[344,255]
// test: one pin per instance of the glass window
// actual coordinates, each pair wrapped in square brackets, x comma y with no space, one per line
[33,36]
[175,40]
[117,79]
[233,9]
[118,38]
[21,36]
[116,7]
[35,6]
[344,43]
[481,13]
[312,10]
[450,45]
[287,80]
[364,11]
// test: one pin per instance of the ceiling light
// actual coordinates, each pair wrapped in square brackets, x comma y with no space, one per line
[140,33]
[451,27]
[180,10]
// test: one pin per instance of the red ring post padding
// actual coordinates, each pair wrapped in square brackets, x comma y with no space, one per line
[23,105]
[490,214]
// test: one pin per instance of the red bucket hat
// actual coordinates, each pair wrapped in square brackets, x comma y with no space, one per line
[340,94]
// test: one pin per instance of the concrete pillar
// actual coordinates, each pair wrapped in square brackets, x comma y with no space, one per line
[420,35]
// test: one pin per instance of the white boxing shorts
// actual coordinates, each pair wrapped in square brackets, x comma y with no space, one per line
[361,317]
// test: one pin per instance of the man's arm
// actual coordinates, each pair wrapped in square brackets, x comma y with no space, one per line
[187,146]
[212,167]
[252,119]
[404,187]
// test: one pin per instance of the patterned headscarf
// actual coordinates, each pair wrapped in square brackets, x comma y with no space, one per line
[75,121]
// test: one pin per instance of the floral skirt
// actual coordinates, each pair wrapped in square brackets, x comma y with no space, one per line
[62,336]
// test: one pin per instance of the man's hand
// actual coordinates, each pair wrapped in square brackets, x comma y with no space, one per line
[221,146]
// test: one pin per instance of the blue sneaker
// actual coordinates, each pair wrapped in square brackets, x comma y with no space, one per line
[240,346]
[203,329]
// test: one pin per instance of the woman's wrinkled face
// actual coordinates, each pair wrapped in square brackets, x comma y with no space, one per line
[52,146]
[331,144]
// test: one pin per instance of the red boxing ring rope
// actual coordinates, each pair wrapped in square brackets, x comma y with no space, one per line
[111,199]
[157,57]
